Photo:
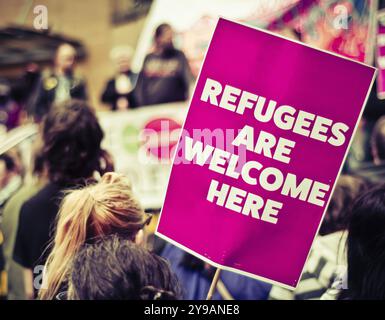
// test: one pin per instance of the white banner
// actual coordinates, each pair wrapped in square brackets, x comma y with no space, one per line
[142,143]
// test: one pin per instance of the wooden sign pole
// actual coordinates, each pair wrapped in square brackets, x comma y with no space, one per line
[213,285]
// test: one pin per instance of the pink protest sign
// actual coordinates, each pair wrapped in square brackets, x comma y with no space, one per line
[264,140]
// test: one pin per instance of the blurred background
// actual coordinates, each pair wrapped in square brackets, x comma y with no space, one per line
[136,61]
[96,27]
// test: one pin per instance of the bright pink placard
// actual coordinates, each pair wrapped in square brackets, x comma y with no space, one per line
[291,74]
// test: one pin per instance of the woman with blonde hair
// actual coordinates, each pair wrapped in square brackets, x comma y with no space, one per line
[86,215]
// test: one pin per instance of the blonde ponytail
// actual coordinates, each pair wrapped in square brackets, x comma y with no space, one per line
[92,212]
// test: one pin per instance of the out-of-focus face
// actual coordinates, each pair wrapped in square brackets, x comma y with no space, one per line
[65,58]
[123,63]
[121,56]
[165,39]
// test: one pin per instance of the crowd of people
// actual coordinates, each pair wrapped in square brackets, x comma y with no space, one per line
[165,77]
[72,228]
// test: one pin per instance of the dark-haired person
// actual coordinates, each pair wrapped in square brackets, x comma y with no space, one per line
[375,171]
[117,269]
[72,154]
[365,250]
[166,75]
[60,85]
[31,185]
[327,256]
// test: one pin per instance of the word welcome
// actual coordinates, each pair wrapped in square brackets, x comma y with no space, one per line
[253,173]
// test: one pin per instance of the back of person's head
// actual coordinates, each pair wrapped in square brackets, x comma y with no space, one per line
[71,138]
[347,189]
[117,269]
[87,214]
[378,141]
[366,247]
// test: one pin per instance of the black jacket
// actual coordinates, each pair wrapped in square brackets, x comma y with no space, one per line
[164,78]
[46,93]
[110,96]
